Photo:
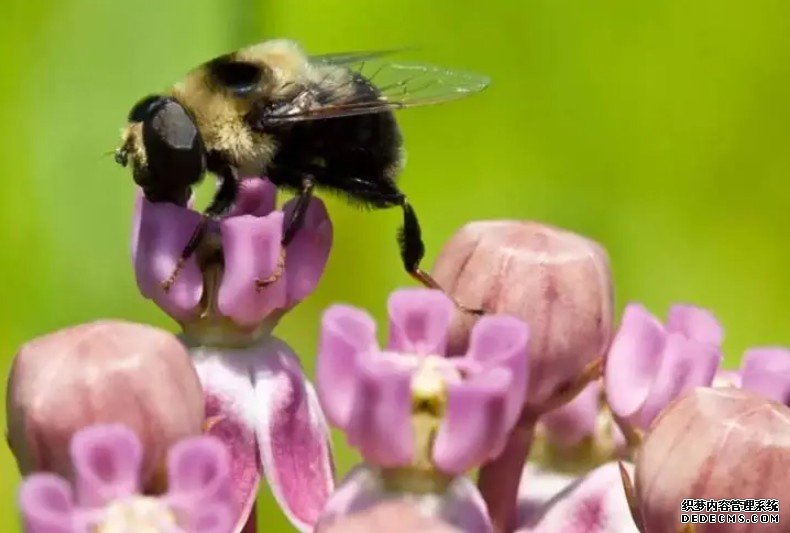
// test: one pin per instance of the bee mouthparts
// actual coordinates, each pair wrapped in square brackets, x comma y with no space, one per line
[121,157]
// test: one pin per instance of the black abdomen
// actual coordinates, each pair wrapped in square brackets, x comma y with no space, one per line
[358,155]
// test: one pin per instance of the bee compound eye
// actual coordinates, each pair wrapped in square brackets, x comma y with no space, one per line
[173,146]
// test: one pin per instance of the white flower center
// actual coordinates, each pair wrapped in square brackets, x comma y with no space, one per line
[138,514]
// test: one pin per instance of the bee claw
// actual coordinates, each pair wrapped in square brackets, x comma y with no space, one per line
[261,284]
[168,283]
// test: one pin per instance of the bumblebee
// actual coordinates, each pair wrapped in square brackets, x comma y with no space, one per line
[302,121]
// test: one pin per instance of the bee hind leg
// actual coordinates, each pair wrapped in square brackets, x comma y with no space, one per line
[412,251]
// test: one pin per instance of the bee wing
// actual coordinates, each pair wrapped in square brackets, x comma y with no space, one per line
[350,58]
[397,86]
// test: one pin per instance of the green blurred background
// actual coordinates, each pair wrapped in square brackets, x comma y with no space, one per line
[659,128]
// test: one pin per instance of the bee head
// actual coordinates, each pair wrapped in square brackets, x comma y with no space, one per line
[165,148]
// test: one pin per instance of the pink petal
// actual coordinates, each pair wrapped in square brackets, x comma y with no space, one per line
[695,323]
[380,420]
[727,378]
[198,473]
[767,371]
[293,437]
[595,503]
[231,417]
[419,321]
[256,196]
[213,518]
[685,364]
[346,334]
[107,460]
[462,506]
[307,253]
[501,340]
[633,361]
[47,504]
[361,488]
[474,426]
[164,231]
[251,246]
[576,420]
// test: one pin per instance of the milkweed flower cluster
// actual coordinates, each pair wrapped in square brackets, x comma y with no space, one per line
[574,423]
[106,494]
[420,419]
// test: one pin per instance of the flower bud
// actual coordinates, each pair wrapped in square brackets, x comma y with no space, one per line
[556,281]
[102,372]
[720,444]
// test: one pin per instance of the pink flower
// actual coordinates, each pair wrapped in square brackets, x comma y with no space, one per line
[375,395]
[650,364]
[579,435]
[592,503]
[720,444]
[103,372]
[420,419]
[107,490]
[215,294]
[767,372]
[260,405]
[258,401]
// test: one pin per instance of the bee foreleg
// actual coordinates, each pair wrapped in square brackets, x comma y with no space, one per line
[226,194]
[186,253]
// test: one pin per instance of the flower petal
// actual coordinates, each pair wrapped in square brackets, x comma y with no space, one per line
[502,340]
[293,437]
[767,371]
[164,230]
[360,489]
[251,247]
[212,518]
[577,419]
[380,421]
[106,461]
[474,425]
[695,323]
[46,504]
[462,506]
[346,333]
[231,417]
[633,361]
[307,253]
[198,473]
[595,503]
[256,196]
[685,364]
[419,321]
[362,495]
